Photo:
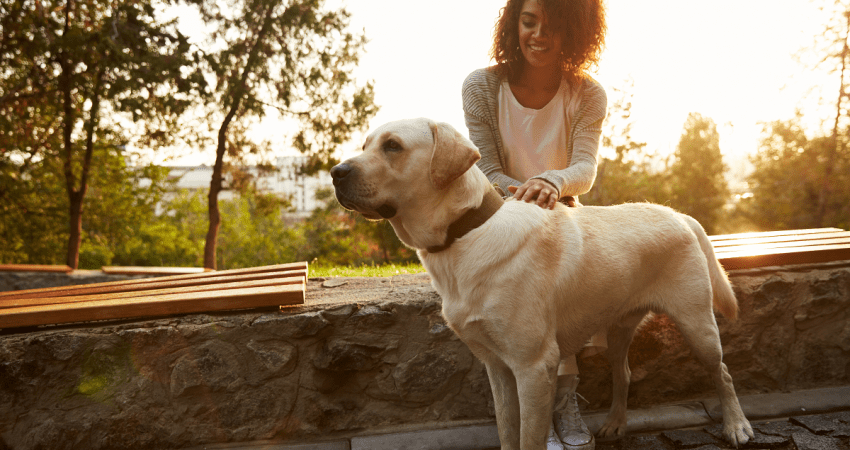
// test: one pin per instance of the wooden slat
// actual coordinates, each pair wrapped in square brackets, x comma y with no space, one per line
[137,270]
[155,283]
[765,247]
[768,240]
[748,259]
[721,237]
[153,306]
[276,281]
[34,268]
[137,283]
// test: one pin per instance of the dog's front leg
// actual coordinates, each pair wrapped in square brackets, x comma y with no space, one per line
[503,385]
[536,389]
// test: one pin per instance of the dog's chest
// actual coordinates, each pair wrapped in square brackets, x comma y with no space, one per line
[460,314]
[461,308]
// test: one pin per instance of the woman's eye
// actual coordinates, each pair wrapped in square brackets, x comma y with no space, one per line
[529,24]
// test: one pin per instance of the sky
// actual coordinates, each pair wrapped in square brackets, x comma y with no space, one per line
[730,60]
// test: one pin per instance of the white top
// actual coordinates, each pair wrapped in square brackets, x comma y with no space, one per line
[535,140]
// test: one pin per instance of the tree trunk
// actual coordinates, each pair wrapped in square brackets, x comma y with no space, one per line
[832,151]
[212,199]
[216,183]
[75,235]
[75,207]
[77,194]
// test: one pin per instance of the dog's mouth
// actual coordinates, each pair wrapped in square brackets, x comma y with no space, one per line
[385,211]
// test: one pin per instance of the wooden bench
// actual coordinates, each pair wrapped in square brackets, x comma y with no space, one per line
[780,248]
[256,287]
[34,268]
[137,270]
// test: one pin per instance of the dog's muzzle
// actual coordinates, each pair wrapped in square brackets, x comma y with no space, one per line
[342,175]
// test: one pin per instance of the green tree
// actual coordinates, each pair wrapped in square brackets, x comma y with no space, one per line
[332,235]
[831,52]
[801,176]
[33,211]
[789,172]
[121,211]
[295,57]
[254,233]
[631,175]
[74,71]
[696,176]
[121,225]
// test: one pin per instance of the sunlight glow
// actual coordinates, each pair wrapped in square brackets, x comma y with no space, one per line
[728,60]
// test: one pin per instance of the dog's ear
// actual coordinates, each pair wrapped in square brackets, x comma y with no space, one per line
[453,155]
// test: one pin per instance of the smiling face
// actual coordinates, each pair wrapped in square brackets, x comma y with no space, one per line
[540,46]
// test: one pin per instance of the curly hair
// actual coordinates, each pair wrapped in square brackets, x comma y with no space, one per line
[581,24]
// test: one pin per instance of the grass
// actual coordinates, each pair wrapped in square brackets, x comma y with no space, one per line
[386,270]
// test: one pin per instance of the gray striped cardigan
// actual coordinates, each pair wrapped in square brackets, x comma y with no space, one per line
[481,113]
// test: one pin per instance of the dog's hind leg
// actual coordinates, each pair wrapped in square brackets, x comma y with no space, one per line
[695,321]
[504,387]
[619,339]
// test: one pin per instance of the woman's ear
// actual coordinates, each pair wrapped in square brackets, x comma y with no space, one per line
[453,155]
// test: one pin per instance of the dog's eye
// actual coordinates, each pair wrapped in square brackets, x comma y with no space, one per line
[392,146]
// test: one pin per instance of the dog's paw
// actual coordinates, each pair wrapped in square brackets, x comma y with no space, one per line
[739,433]
[612,428]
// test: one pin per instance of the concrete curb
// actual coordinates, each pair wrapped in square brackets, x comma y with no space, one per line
[658,418]
[766,406]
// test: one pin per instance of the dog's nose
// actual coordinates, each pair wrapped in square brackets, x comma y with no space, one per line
[340,171]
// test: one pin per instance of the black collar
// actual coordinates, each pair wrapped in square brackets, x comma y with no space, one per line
[470,220]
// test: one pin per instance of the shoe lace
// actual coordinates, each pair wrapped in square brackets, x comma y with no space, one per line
[568,407]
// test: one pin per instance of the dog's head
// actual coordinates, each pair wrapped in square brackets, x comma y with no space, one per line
[405,169]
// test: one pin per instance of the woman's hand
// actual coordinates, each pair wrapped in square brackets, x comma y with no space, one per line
[538,191]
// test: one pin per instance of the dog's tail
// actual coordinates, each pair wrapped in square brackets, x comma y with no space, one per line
[724,297]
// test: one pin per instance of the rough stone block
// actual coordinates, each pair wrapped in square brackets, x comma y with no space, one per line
[644,443]
[781,428]
[809,441]
[689,438]
[375,353]
[821,424]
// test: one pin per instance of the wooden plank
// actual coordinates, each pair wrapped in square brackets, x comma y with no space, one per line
[34,268]
[721,237]
[276,281]
[103,288]
[138,270]
[135,284]
[787,244]
[153,306]
[777,239]
[784,256]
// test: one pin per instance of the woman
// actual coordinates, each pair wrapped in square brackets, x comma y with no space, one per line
[536,118]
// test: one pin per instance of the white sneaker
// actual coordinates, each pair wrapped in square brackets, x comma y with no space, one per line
[568,424]
[553,442]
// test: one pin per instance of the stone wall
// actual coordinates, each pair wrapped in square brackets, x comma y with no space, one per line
[365,354]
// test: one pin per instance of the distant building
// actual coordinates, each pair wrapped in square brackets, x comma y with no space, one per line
[285,181]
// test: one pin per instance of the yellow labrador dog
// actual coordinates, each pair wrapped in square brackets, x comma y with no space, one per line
[522,285]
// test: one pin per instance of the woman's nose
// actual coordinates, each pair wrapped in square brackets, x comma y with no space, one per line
[540,32]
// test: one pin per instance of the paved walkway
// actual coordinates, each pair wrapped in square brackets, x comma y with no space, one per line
[817,419]
[812,432]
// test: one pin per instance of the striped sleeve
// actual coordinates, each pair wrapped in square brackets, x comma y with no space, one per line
[480,113]
[578,178]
